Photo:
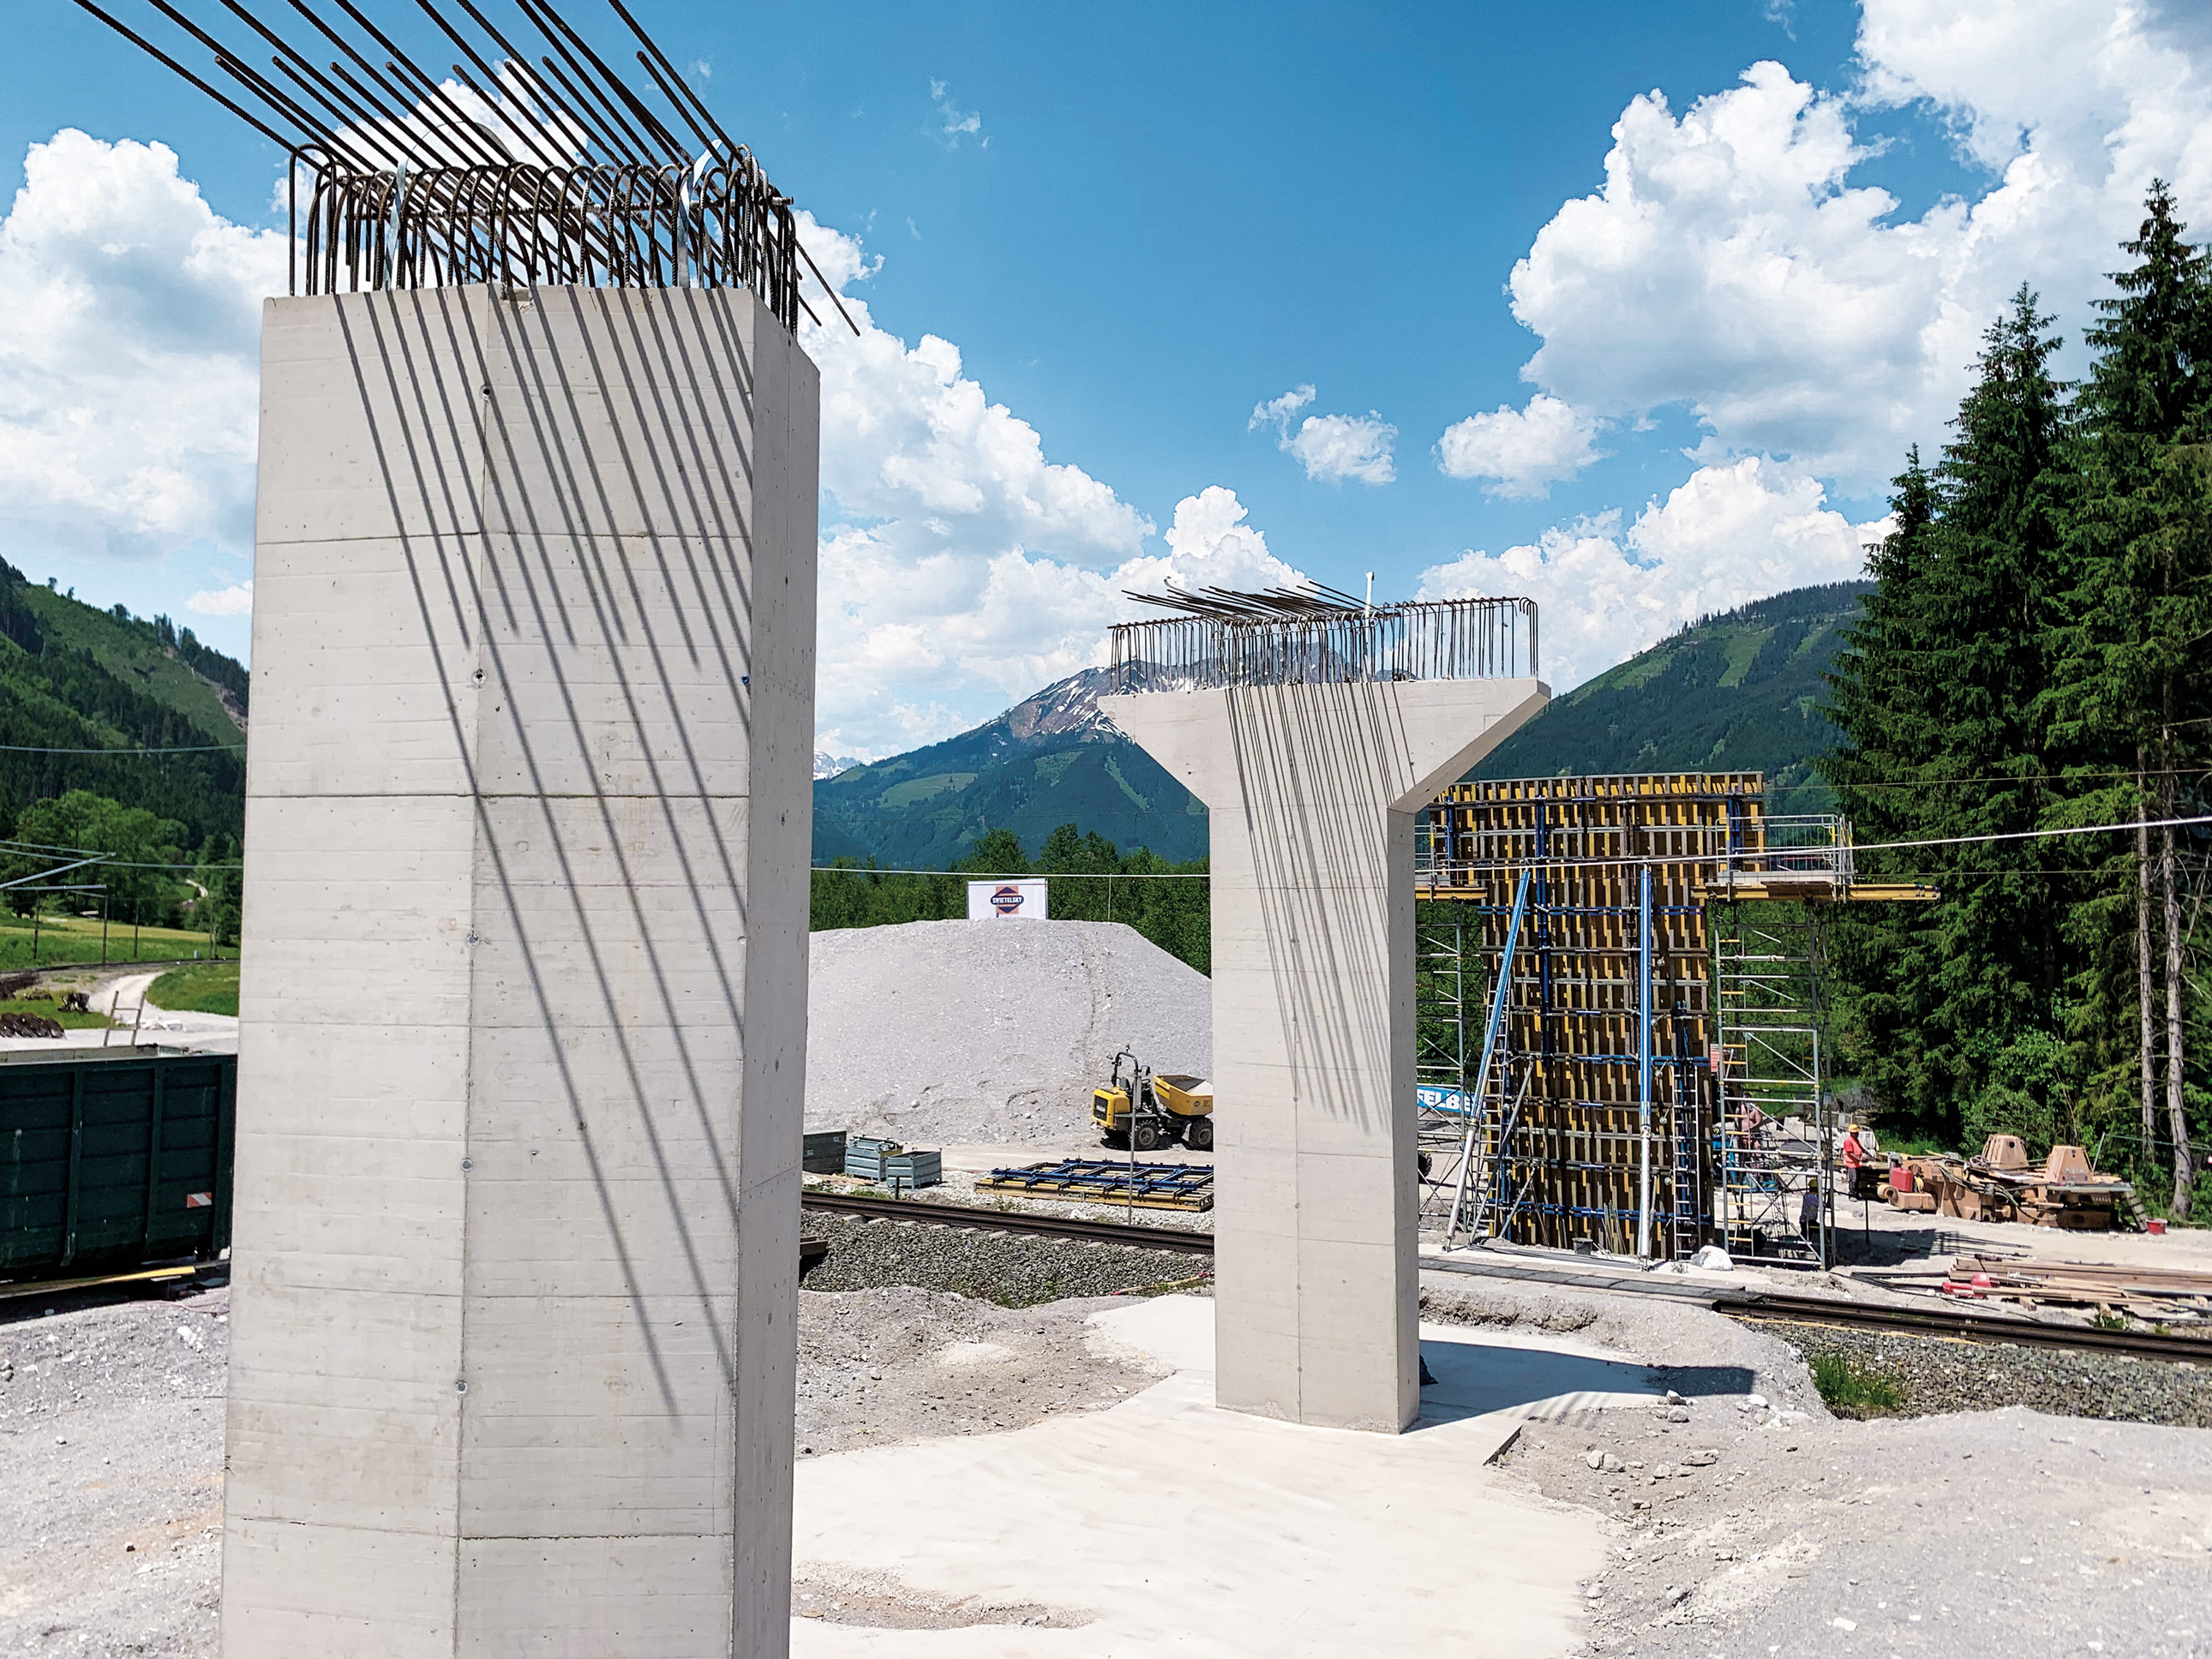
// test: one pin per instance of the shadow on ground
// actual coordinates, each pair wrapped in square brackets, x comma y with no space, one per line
[1475,1378]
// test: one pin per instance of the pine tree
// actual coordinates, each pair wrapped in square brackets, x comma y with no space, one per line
[2130,688]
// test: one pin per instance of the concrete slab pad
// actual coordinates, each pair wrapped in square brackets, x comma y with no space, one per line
[1169,1525]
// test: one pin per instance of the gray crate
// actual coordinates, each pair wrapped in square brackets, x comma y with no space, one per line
[865,1156]
[908,1170]
[825,1154]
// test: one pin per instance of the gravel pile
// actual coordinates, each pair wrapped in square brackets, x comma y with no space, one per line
[989,1031]
[1936,1376]
[1011,1269]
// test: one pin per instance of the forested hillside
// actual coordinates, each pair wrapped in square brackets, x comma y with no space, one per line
[2034,658]
[73,677]
[1741,692]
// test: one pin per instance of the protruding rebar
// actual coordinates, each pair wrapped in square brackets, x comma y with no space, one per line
[510,171]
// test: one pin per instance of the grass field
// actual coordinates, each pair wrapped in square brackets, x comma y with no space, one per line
[76,939]
[209,988]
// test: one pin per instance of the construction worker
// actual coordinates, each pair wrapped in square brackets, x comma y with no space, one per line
[1855,1151]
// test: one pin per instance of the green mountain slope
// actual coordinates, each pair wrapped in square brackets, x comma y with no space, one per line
[1047,761]
[1739,692]
[1735,693]
[73,677]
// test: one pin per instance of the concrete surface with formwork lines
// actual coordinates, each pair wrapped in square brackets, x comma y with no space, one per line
[523,1010]
[1312,791]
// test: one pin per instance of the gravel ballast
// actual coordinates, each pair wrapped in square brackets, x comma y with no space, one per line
[989,1031]
[1013,1269]
[1935,1375]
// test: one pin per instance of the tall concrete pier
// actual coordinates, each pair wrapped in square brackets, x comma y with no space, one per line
[524,1009]
[1312,789]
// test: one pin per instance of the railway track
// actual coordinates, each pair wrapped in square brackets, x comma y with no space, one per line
[1007,1221]
[1958,1325]
[1954,1323]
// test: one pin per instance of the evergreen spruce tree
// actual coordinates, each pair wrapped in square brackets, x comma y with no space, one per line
[2129,685]
[1936,700]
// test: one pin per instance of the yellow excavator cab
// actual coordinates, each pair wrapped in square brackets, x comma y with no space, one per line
[1109,1109]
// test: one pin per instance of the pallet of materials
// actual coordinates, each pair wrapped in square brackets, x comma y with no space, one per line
[2001,1185]
[1101,1180]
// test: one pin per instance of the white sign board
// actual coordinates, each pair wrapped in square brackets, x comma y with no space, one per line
[1015,901]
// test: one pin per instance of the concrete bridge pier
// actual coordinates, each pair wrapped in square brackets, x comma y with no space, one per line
[1313,791]
[524,1009]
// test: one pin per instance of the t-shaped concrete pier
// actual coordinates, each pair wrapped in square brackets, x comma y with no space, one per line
[1313,790]
[524,1024]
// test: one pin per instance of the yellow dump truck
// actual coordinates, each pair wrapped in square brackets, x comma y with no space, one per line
[1148,1109]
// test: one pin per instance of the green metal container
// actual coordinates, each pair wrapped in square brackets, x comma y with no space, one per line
[113,1159]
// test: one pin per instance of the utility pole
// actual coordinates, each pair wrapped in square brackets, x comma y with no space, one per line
[2176,1107]
[2146,985]
[1644,1069]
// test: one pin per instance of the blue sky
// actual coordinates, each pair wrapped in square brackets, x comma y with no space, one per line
[1670,289]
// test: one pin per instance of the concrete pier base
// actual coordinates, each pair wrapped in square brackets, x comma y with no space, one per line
[1312,792]
[524,1013]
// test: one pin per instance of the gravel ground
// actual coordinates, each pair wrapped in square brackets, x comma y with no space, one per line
[110,1476]
[882,1367]
[1746,1521]
[1962,1536]
[1935,1375]
[112,1429]
[1013,1269]
[989,1031]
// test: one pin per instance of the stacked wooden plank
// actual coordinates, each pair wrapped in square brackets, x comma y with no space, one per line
[2161,1295]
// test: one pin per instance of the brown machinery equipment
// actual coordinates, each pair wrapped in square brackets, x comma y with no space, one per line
[2001,1185]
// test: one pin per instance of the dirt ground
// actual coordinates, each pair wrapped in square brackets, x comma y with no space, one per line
[1743,1521]
[112,1427]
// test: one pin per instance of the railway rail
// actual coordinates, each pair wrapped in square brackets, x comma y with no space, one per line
[1959,1326]
[1953,1323]
[1008,1221]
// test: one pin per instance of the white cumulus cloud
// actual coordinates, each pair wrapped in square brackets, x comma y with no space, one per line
[130,351]
[961,569]
[1526,450]
[1331,448]
[1729,535]
[1731,262]
[236,600]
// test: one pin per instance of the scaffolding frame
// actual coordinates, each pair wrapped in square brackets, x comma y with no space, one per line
[1775,1193]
